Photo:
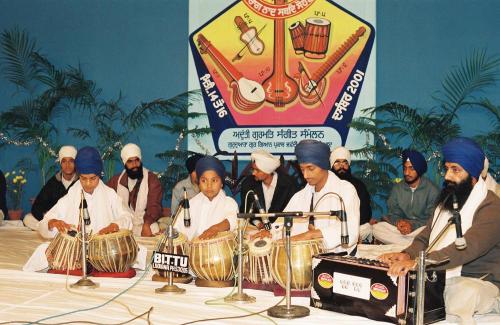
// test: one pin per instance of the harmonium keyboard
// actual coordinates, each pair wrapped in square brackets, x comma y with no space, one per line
[358,286]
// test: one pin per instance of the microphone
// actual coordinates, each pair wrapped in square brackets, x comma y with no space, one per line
[187,216]
[344,233]
[460,242]
[267,224]
[85,212]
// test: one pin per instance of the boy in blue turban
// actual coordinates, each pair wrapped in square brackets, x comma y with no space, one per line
[410,203]
[105,208]
[211,211]
[473,273]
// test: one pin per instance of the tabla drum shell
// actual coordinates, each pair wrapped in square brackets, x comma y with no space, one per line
[297,35]
[115,252]
[258,261]
[316,37]
[65,252]
[301,259]
[212,259]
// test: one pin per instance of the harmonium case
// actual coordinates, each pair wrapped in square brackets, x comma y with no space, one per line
[358,286]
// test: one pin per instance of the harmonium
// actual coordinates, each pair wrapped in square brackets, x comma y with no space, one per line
[358,286]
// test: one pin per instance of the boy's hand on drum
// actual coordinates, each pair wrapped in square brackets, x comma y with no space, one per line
[146,231]
[113,227]
[209,233]
[60,225]
[261,234]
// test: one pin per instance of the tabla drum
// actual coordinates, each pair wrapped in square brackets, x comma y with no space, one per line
[64,252]
[316,37]
[302,252]
[212,260]
[297,35]
[258,262]
[180,247]
[115,252]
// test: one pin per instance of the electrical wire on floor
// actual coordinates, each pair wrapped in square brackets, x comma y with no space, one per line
[148,267]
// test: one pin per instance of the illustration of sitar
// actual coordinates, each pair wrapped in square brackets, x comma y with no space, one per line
[248,95]
[280,88]
[312,87]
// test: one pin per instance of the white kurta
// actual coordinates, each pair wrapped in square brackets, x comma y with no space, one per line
[205,213]
[104,207]
[330,226]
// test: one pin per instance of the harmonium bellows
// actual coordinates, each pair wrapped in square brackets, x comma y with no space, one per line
[361,287]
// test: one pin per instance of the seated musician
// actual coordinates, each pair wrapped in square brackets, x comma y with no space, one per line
[140,190]
[320,194]
[473,274]
[55,188]
[211,211]
[273,187]
[105,208]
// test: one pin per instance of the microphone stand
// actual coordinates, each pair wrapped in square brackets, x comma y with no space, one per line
[170,287]
[422,262]
[84,282]
[240,296]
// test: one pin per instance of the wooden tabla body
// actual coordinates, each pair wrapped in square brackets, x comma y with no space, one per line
[258,262]
[316,37]
[301,259]
[181,247]
[114,252]
[212,259]
[297,34]
[65,252]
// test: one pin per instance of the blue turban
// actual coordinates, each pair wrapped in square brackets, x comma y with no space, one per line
[88,161]
[417,160]
[313,152]
[191,162]
[210,163]
[466,153]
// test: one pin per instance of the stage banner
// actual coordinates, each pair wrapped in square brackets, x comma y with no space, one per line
[274,72]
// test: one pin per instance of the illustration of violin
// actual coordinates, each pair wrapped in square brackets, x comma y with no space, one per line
[248,95]
[249,36]
[280,88]
[312,87]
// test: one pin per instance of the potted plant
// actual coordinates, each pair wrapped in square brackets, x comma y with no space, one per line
[15,181]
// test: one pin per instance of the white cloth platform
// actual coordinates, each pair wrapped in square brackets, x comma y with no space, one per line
[30,296]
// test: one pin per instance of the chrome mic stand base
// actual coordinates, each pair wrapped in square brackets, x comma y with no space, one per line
[170,288]
[240,297]
[184,279]
[294,311]
[84,283]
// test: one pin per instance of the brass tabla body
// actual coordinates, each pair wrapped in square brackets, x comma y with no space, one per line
[65,252]
[115,252]
[301,260]
[258,261]
[212,259]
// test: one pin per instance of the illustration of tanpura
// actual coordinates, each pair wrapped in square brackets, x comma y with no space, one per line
[249,36]
[312,87]
[280,89]
[248,95]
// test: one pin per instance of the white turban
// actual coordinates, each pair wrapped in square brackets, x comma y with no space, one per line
[265,161]
[66,152]
[130,150]
[484,173]
[340,153]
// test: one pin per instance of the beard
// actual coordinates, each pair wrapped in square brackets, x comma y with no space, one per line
[134,173]
[462,190]
[343,173]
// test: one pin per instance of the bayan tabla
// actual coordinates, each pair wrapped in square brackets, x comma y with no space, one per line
[65,252]
[258,262]
[302,252]
[316,37]
[212,260]
[115,252]
[180,247]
